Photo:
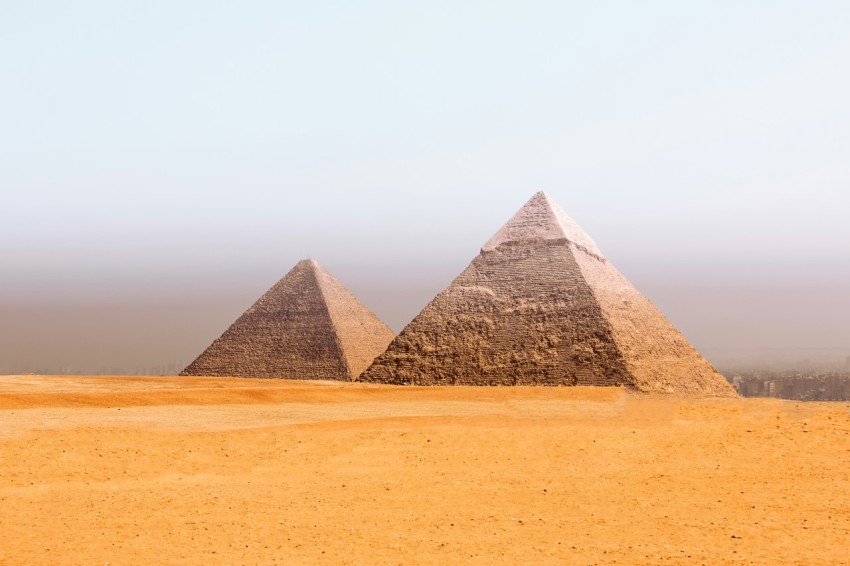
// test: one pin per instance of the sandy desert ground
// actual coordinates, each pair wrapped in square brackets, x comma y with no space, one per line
[97,470]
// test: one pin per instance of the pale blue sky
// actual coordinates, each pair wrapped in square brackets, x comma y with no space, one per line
[158,155]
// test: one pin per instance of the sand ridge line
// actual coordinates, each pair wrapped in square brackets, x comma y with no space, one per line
[210,417]
[130,392]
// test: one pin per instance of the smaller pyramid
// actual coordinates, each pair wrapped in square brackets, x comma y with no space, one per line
[307,326]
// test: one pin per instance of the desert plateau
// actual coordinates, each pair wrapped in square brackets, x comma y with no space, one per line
[120,470]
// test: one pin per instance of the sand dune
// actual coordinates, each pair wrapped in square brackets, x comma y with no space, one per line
[189,470]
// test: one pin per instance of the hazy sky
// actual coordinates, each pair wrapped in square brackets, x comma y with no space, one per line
[163,163]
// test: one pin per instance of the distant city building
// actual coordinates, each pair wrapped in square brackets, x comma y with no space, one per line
[794,385]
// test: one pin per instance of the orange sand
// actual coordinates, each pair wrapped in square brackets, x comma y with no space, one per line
[97,470]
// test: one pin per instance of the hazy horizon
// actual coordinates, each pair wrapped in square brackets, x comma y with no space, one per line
[162,165]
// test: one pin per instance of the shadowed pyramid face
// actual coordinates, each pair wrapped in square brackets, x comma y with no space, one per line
[307,326]
[541,305]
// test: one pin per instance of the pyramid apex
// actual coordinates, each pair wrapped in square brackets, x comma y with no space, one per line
[542,219]
[308,263]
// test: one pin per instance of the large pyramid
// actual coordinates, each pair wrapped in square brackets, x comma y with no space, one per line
[541,305]
[307,326]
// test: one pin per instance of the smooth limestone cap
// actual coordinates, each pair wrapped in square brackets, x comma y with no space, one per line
[541,219]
